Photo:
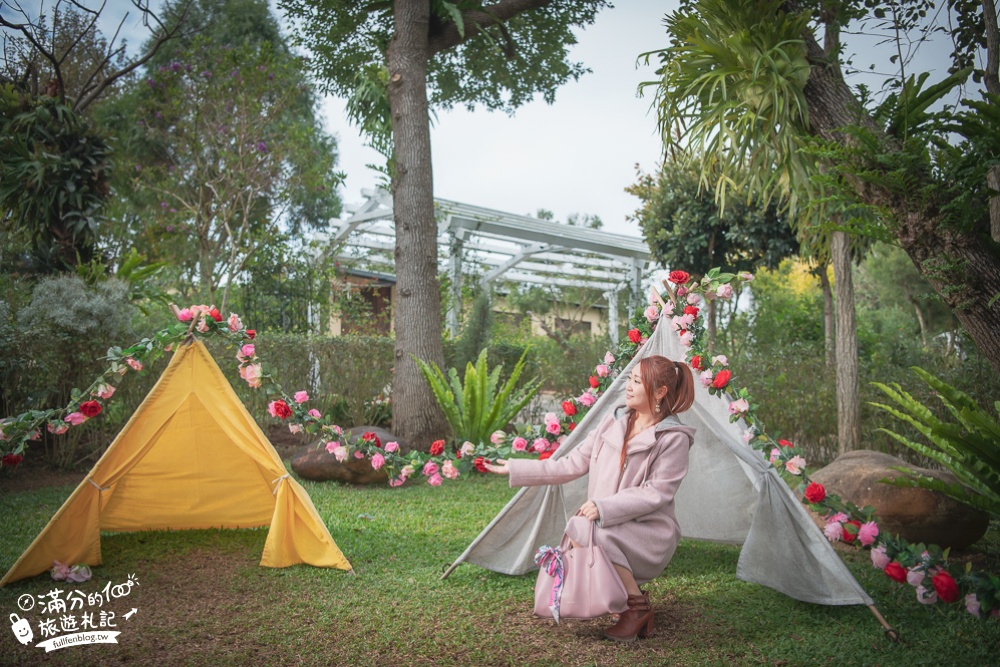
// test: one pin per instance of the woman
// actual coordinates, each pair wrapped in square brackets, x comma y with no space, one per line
[636,460]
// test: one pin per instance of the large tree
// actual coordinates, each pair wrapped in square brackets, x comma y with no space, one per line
[773,104]
[399,61]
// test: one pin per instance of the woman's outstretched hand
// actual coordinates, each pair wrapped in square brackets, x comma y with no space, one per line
[589,511]
[500,467]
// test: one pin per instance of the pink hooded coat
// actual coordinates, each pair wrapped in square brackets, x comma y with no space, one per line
[637,527]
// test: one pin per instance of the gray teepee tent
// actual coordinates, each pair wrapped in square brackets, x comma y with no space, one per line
[731,494]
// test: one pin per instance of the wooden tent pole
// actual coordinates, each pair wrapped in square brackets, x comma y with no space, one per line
[889,630]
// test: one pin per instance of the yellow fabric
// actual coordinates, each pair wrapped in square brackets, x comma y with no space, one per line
[190,457]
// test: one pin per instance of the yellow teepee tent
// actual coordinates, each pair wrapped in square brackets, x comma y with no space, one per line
[190,457]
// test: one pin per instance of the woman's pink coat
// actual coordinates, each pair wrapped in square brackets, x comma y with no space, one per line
[637,527]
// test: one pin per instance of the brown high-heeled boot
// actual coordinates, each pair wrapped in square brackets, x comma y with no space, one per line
[636,621]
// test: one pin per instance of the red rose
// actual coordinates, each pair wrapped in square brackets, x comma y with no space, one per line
[595,381]
[479,463]
[722,379]
[572,425]
[215,314]
[569,408]
[437,448]
[281,410]
[369,436]
[696,362]
[895,571]
[692,311]
[11,460]
[785,443]
[544,455]
[634,335]
[90,408]
[815,492]
[252,333]
[850,535]
[679,277]
[945,586]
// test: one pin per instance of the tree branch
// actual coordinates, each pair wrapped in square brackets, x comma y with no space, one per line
[476,20]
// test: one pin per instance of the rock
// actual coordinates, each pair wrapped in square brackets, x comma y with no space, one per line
[316,464]
[917,515]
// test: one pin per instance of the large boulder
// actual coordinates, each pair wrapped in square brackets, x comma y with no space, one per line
[917,515]
[315,463]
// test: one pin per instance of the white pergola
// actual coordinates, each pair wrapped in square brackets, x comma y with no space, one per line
[505,246]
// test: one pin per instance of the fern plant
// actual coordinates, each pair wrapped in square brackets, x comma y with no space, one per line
[474,407]
[969,446]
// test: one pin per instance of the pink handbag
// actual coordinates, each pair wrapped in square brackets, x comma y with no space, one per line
[577,583]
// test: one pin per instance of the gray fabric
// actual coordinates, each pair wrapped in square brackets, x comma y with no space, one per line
[731,494]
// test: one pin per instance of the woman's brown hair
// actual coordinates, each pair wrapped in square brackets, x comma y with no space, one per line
[657,372]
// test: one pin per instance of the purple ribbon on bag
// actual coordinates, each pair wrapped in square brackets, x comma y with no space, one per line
[550,559]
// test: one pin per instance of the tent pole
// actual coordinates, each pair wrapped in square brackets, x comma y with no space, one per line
[889,630]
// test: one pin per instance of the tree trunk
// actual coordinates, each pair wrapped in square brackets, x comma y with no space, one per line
[848,386]
[828,326]
[992,81]
[416,417]
[961,265]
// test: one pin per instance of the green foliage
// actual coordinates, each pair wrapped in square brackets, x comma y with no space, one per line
[969,446]
[476,332]
[473,407]
[53,179]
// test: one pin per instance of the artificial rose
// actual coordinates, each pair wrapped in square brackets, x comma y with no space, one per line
[839,517]
[378,461]
[696,362]
[252,374]
[945,586]
[430,468]
[747,437]
[746,277]
[497,437]
[687,339]
[681,291]
[519,444]
[586,399]
[785,443]
[692,311]
[895,571]
[795,465]
[434,480]
[315,414]
[479,463]
[540,444]
[634,335]
[679,277]
[972,604]
[652,313]
[833,531]
[300,397]
[926,596]
[234,322]
[544,455]
[369,436]
[879,557]
[569,408]
[722,379]
[90,408]
[449,470]
[397,481]
[815,493]
[340,452]
[11,460]
[685,321]
[867,533]
[105,391]
[739,406]
[185,315]
[553,428]
[202,326]
[601,370]
[406,471]
[57,428]
[437,448]
[215,314]
[851,529]
[252,333]
[706,378]
[775,455]
[724,291]
[295,428]
[609,358]
[279,409]
[720,359]
[595,381]
[467,448]
[75,418]
[572,425]
[392,447]
[134,363]
[359,454]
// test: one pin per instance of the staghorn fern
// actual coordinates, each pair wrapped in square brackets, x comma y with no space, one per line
[968,447]
[473,407]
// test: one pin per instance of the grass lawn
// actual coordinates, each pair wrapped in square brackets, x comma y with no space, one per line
[203,600]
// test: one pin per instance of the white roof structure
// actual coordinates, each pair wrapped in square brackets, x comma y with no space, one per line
[501,246]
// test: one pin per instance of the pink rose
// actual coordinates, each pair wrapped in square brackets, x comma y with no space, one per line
[839,517]
[550,417]
[686,320]
[724,291]
[497,437]
[601,370]
[248,350]
[609,358]
[926,596]
[398,481]
[668,308]
[407,471]
[340,452]
[833,531]
[134,363]
[775,455]
[687,338]
[720,359]
[392,446]
[867,533]
[540,445]
[252,374]
[972,604]
[359,454]
[234,322]
[706,378]
[430,468]
[105,391]
[795,465]
[652,313]
[57,429]
[676,323]
[434,480]
[879,557]
[739,406]
[449,470]
[519,444]
[693,299]
[315,414]
[378,461]
[185,315]
[915,576]
[301,397]
[467,448]
[746,277]
[586,399]
[747,437]
[202,326]
[332,445]
[295,428]
[553,428]
[681,291]
[75,418]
